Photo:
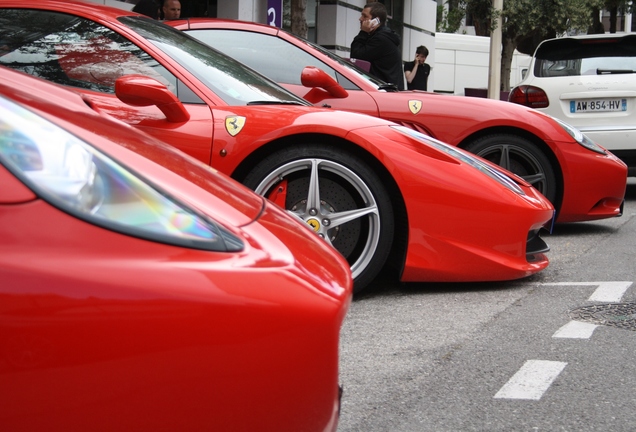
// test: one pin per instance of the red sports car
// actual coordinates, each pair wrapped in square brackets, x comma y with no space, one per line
[141,290]
[384,195]
[557,160]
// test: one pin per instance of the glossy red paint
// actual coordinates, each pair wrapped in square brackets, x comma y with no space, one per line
[459,121]
[101,330]
[427,212]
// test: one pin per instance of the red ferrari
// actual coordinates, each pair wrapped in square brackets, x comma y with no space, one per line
[385,196]
[555,158]
[141,290]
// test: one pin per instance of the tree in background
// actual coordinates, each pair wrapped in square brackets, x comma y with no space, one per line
[299,18]
[450,18]
[616,7]
[295,17]
[528,22]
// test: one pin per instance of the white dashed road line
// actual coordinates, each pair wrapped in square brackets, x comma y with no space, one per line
[610,292]
[536,376]
[575,330]
[606,292]
[532,380]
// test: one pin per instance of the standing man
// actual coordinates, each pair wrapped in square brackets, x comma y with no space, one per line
[171,9]
[417,71]
[378,44]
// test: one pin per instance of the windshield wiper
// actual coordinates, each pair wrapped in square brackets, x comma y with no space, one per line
[613,71]
[275,102]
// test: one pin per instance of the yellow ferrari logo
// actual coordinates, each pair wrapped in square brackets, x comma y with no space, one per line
[415,106]
[314,224]
[234,124]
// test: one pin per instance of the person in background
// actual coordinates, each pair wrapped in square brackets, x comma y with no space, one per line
[147,7]
[171,9]
[417,71]
[379,45]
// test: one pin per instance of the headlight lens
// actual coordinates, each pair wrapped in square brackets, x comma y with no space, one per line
[78,179]
[463,156]
[580,137]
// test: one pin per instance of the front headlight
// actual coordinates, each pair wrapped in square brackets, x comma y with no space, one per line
[580,137]
[463,156]
[80,180]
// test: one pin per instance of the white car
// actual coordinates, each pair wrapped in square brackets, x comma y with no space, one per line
[589,82]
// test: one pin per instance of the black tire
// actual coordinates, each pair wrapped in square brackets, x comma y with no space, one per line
[345,184]
[520,156]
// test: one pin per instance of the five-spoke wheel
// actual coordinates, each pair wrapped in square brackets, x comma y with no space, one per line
[341,199]
[520,156]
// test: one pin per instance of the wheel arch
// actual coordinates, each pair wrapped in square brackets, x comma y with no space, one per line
[397,256]
[537,141]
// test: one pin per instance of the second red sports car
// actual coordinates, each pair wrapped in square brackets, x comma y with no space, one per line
[555,158]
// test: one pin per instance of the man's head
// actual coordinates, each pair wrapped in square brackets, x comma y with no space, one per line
[171,9]
[374,10]
[421,52]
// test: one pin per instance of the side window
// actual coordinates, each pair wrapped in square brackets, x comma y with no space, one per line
[273,57]
[72,51]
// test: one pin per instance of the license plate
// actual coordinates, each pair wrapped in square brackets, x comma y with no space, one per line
[598,105]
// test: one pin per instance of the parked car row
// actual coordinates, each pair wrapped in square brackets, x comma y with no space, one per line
[380,193]
[553,157]
[144,287]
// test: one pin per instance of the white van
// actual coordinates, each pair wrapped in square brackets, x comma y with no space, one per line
[462,61]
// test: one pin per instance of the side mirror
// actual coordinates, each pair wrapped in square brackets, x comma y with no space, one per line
[141,90]
[322,85]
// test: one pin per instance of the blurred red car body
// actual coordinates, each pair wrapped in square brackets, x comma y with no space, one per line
[530,145]
[383,195]
[107,326]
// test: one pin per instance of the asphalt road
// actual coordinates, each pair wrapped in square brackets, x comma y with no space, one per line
[503,356]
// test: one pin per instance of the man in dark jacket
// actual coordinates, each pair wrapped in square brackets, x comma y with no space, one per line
[378,44]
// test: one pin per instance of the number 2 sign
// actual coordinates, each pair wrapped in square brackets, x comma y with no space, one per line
[275,13]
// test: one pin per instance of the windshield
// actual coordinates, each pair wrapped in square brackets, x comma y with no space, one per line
[79,52]
[232,81]
[280,58]
[586,56]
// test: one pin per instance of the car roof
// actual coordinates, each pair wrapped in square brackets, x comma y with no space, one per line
[593,36]
[222,23]
[84,6]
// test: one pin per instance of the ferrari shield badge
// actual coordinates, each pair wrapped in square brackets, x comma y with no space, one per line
[234,124]
[415,106]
